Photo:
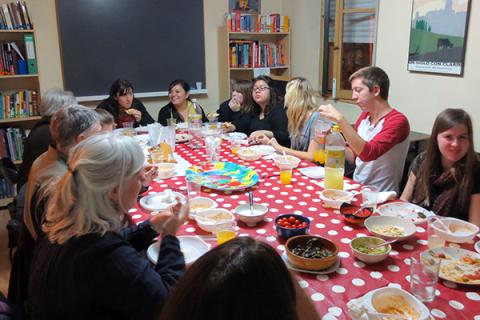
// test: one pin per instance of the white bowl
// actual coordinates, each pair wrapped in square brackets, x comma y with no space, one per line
[459,231]
[369,257]
[192,248]
[165,170]
[373,223]
[293,161]
[206,221]
[251,218]
[333,198]
[249,154]
[160,201]
[201,203]
[383,297]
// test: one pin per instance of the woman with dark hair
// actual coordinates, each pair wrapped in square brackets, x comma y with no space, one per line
[124,107]
[180,106]
[446,177]
[240,279]
[240,102]
[267,119]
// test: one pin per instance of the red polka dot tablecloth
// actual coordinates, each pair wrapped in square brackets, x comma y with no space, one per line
[329,292]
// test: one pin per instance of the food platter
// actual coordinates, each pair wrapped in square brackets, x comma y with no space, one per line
[458,265]
[405,210]
[226,176]
[330,269]
[182,137]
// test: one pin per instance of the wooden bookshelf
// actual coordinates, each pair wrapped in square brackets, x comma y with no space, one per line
[229,74]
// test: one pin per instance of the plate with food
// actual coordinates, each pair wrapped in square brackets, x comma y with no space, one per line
[405,210]
[226,176]
[192,248]
[390,228]
[182,137]
[330,269]
[161,200]
[458,265]
[263,149]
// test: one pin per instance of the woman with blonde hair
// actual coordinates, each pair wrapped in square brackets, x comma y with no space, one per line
[84,268]
[446,177]
[301,114]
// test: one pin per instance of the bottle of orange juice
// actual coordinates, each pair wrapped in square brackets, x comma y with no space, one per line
[335,159]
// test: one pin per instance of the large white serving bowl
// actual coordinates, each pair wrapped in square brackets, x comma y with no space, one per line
[192,248]
[160,201]
[201,203]
[333,198]
[459,231]
[386,296]
[384,221]
[204,221]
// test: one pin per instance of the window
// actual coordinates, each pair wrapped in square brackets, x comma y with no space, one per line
[348,43]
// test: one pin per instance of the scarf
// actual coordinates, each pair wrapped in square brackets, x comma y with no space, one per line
[445,187]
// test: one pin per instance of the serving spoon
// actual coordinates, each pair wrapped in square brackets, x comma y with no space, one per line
[382,244]
[250,196]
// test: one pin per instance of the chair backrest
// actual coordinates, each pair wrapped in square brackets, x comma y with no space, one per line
[9,171]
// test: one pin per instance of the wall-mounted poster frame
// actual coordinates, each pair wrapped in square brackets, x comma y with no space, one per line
[438,34]
[251,6]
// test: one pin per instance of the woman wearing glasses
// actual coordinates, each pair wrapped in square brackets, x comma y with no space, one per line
[301,115]
[267,119]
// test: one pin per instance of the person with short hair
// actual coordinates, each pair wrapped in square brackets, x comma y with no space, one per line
[180,106]
[301,114]
[240,102]
[446,177]
[126,110]
[241,279]
[106,120]
[378,143]
[84,268]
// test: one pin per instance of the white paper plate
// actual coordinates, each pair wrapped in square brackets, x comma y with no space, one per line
[154,202]
[236,135]
[331,269]
[313,172]
[182,137]
[192,248]
[454,254]
[263,149]
[405,210]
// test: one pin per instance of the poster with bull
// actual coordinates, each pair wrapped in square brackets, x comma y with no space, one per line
[438,36]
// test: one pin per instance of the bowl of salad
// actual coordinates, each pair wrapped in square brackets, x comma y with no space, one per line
[311,252]
[369,249]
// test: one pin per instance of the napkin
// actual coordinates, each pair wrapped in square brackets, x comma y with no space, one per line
[154,133]
[386,196]
[357,309]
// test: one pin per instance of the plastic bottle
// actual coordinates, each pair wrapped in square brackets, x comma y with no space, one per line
[194,125]
[335,160]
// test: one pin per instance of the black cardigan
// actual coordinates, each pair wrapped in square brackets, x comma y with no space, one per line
[112,106]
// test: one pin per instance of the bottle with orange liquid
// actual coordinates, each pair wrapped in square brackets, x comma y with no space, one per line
[335,159]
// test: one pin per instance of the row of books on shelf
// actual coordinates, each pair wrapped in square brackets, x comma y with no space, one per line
[6,190]
[18,104]
[13,140]
[18,58]
[15,16]
[256,54]
[253,22]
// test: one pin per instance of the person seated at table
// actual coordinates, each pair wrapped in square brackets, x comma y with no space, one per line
[243,277]
[84,268]
[267,119]
[446,177]
[240,102]
[106,120]
[301,114]
[127,110]
[378,143]
[180,106]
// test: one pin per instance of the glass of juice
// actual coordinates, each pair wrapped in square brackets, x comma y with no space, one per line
[285,172]
[235,146]
[225,231]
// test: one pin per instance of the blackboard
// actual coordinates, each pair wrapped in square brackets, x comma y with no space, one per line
[148,42]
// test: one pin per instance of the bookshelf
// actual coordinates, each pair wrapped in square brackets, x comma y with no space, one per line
[275,55]
[19,81]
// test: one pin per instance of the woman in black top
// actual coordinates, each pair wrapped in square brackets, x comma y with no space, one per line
[240,103]
[124,107]
[267,119]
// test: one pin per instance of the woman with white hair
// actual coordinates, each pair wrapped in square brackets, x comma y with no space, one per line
[84,268]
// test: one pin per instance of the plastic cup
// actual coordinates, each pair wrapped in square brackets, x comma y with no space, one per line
[193,188]
[128,124]
[199,85]
[225,231]
[370,196]
[434,239]
[285,173]
[424,270]
[171,122]
[235,146]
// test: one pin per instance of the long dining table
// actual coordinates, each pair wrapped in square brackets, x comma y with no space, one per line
[329,292]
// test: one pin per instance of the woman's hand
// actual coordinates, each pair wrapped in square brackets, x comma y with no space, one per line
[150,172]
[328,111]
[234,105]
[134,112]
[273,142]
[228,127]
[158,221]
[260,137]
[179,214]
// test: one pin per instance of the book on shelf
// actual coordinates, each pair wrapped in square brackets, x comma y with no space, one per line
[12,60]
[15,16]
[31,56]
[18,104]
[238,21]
[256,54]
[13,141]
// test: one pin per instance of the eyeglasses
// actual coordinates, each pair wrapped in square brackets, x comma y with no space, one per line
[260,88]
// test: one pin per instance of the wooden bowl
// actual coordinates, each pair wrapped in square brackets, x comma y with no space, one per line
[313,264]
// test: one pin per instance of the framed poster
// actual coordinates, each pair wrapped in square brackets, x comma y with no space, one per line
[252,6]
[438,36]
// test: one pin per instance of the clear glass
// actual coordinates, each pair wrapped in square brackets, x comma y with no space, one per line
[434,239]
[370,196]
[193,188]
[358,44]
[225,231]
[424,270]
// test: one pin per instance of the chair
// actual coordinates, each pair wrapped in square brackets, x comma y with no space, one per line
[10,173]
